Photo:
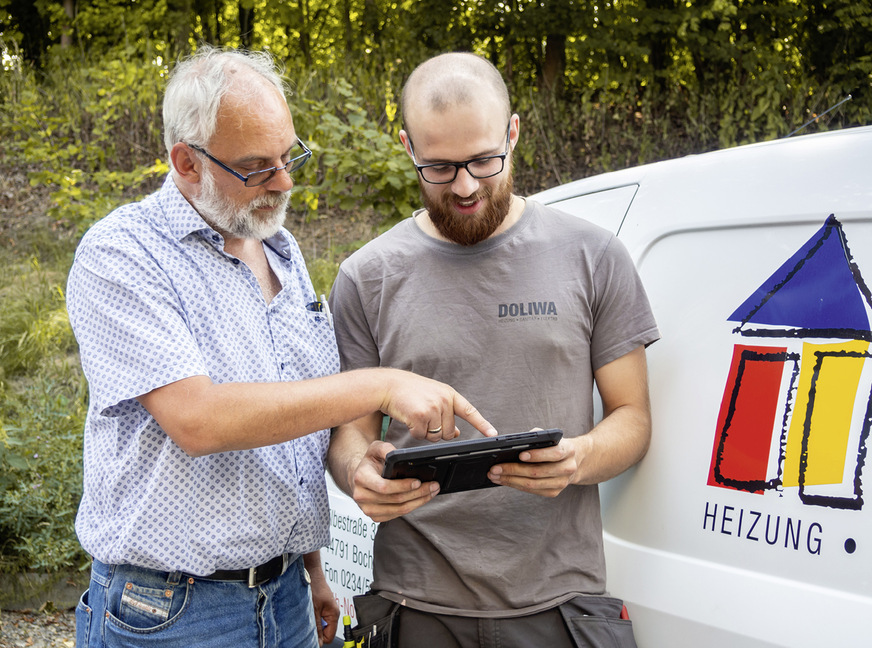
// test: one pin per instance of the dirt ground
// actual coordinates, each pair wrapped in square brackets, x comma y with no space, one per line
[31,629]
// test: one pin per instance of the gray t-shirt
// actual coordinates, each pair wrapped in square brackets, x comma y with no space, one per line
[517,324]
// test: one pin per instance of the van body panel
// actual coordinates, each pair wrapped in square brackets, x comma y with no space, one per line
[746,524]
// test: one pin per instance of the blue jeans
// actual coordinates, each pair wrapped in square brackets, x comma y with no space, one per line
[131,606]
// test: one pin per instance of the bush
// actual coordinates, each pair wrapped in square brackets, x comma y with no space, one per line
[41,457]
[358,165]
[42,411]
[90,133]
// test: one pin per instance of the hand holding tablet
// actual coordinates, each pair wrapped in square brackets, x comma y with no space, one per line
[464,465]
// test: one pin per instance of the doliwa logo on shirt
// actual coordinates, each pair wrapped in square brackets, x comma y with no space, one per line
[526,311]
[797,407]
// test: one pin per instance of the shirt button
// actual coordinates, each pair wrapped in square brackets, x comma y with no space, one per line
[235,261]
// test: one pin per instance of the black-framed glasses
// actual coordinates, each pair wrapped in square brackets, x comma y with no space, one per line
[257,178]
[479,168]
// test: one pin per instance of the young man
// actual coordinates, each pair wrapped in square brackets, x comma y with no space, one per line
[522,308]
[213,382]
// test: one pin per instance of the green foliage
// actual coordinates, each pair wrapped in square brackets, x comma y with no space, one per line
[324,268]
[90,133]
[33,322]
[41,460]
[358,166]
[79,199]
[322,271]
[41,417]
[87,117]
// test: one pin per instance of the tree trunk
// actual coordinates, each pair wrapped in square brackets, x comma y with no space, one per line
[179,24]
[201,8]
[305,48]
[371,21]
[348,28]
[218,4]
[246,25]
[555,63]
[67,30]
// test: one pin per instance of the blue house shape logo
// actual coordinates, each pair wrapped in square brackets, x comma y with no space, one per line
[797,409]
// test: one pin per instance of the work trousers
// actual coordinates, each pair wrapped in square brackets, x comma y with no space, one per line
[582,622]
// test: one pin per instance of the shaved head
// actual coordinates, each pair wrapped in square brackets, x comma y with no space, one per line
[450,80]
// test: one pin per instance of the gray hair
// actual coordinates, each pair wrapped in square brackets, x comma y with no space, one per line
[199,83]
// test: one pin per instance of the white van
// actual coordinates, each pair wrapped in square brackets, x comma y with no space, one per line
[746,524]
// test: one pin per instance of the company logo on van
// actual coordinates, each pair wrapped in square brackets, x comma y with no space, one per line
[796,411]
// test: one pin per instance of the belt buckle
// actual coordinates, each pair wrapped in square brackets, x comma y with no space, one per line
[253,580]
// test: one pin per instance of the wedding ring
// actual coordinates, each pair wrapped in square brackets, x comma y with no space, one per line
[436,431]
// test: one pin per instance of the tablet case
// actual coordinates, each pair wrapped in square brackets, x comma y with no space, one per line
[463,465]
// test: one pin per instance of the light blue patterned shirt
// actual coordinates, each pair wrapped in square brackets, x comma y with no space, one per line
[153,298]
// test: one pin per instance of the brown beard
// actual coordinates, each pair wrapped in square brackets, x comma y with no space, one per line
[469,230]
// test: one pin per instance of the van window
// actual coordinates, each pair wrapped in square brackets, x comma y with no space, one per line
[605,208]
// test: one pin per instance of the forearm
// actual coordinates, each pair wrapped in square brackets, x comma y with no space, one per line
[619,441]
[616,443]
[204,418]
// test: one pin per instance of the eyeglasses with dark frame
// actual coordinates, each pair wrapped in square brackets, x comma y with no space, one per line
[257,178]
[479,168]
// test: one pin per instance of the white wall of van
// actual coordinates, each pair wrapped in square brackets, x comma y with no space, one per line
[745,525]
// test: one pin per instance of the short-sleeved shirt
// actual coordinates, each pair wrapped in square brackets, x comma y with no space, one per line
[154,298]
[517,324]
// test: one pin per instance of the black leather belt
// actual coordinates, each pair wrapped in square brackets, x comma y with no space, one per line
[256,575]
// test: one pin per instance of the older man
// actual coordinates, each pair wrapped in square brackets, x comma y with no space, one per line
[522,308]
[213,380]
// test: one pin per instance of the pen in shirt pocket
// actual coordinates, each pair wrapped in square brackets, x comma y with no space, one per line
[321,307]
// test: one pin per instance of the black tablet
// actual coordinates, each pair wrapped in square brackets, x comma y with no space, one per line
[463,465]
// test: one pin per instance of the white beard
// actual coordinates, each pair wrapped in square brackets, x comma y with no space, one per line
[240,222]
